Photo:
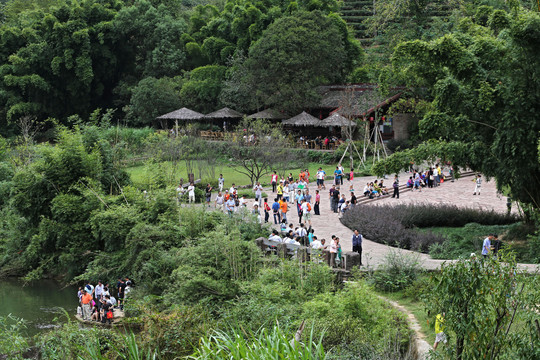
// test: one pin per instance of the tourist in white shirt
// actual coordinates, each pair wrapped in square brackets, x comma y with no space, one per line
[220,201]
[243,201]
[275,236]
[316,244]
[258,192]
[98,291]
[191,192]
[306,211]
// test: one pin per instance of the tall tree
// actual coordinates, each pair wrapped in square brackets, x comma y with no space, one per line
[296,54]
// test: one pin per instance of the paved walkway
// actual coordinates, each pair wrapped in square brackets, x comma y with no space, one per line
[459,192]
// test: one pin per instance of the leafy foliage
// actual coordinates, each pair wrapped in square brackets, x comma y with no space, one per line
[482,300]
[477,76]
[394,225]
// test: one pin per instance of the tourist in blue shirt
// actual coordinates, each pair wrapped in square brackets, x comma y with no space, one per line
[275,210]
[337,176]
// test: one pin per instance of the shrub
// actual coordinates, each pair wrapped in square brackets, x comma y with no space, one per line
[394,225]
[354,315]
[249,193]
[398,271]
[12,341]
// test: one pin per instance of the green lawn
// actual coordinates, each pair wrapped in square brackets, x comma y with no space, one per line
[145,175]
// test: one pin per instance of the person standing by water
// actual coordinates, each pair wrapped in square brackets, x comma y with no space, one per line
[86,301]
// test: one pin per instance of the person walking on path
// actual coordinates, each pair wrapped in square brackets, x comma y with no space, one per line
[440,336]
[230,205]
[191,192]
[274,181]
[320,178]
[283,208]
[280,190]
[306,211]
[221,182]
[208,194]
[342,172]
[335,199]
[478,184]
[337,176]
[357,244]
[396,187]
[258,189]
[220,201]
[275,210]
[266,208]
[316,208]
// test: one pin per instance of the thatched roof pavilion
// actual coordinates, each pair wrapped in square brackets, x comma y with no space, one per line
[181,114]
[268,114]
[225,113]
[337,120]
[303,119]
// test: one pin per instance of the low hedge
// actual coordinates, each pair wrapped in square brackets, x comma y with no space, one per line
[395,225]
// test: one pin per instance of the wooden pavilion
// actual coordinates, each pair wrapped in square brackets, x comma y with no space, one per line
[183,114]
[226,118]
[268,114]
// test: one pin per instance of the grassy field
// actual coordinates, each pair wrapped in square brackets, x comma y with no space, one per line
[145,175]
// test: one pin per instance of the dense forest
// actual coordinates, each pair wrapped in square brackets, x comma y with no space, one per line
[82,81]
[61,58]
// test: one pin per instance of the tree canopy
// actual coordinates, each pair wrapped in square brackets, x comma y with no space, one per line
[484,84]
[64,57]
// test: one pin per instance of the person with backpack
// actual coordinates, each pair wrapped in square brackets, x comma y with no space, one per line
[306,211]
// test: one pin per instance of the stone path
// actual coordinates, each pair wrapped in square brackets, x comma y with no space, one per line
[459,192]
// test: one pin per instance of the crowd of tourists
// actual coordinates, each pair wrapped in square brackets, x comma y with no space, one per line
[97,303]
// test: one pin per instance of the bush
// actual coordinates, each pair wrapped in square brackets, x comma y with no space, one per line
[394,225]
[354,315]
[398,271]
[249,193]
[460,242]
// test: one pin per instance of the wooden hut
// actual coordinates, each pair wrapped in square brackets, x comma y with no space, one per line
[303,119]
[225,117]
[268,114]
[339,125]
[337,120]
[183,114]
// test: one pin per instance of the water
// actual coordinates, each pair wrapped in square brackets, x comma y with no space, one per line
[37,303]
